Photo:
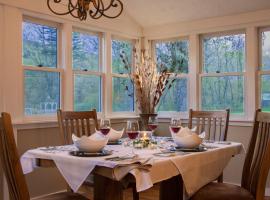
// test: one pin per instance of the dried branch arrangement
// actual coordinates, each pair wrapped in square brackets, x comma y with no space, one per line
[149,83]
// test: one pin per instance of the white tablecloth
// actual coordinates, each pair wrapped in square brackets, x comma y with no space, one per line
[197,169]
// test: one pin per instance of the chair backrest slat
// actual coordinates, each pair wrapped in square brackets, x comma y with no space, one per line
[214,123]
[214,127]
[257,162]
[220,128]
[10,161]
[76,122]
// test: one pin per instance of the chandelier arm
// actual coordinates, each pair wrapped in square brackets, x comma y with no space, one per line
[108,7]
[112,4]
[72,8]
[57,1]
[96,13]
[115,4]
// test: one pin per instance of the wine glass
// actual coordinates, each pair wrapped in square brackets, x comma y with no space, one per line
[175,124]
[132,132]
[132,129]
[153,123]
[105,126]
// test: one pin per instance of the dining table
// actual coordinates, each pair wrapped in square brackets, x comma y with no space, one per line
[179,172]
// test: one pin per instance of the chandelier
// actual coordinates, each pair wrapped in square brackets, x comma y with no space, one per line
[80,8]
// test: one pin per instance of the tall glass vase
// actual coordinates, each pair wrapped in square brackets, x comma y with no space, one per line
[144,119]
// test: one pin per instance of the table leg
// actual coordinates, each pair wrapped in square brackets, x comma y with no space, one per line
[107,189]
[171,189]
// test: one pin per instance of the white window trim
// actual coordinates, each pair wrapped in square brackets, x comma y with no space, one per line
[169,114]
[260,71]
[202,74]
[111,113]
[58,69]
[100,71]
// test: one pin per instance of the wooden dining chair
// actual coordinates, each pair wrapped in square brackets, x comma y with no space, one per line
[13,170]
[81,123]
[76,122]
[214,123]
[255,170]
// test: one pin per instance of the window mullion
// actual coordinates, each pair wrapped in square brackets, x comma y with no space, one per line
[45,69]
[87,72]
[222,74]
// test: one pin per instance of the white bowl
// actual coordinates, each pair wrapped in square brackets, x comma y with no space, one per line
[189,141]
[91,144]
[115,135]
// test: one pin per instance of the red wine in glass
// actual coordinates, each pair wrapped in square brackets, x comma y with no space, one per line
[152,127]
[105,131]
[132,134]
[175,129]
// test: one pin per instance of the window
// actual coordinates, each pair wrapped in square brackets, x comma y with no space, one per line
[87,71]
[264,70]
[222,72]
[122,89]
[173,55]
[41,72]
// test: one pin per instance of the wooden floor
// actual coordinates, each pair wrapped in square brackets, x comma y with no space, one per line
[151,194]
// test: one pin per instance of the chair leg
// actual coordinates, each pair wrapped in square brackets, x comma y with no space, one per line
[135,194]
[68,188]
[220,178]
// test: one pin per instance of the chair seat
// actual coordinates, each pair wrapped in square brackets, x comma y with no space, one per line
[222,191]
[64,196]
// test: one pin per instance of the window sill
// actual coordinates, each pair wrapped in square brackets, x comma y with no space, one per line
[233,122]
[37,124]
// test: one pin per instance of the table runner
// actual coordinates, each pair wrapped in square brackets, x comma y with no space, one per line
[197,169]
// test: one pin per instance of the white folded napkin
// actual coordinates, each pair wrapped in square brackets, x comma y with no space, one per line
[187,138]
[113,135]
[185,131]
[93,143]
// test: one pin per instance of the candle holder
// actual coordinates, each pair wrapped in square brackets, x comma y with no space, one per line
[145,141]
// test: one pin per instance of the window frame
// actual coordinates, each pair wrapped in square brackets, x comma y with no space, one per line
[187,76]
[118,75]
[100,72]
[242,116]
[58,69]
[260,71]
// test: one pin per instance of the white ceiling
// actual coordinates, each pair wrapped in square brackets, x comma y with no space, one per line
[157,12]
